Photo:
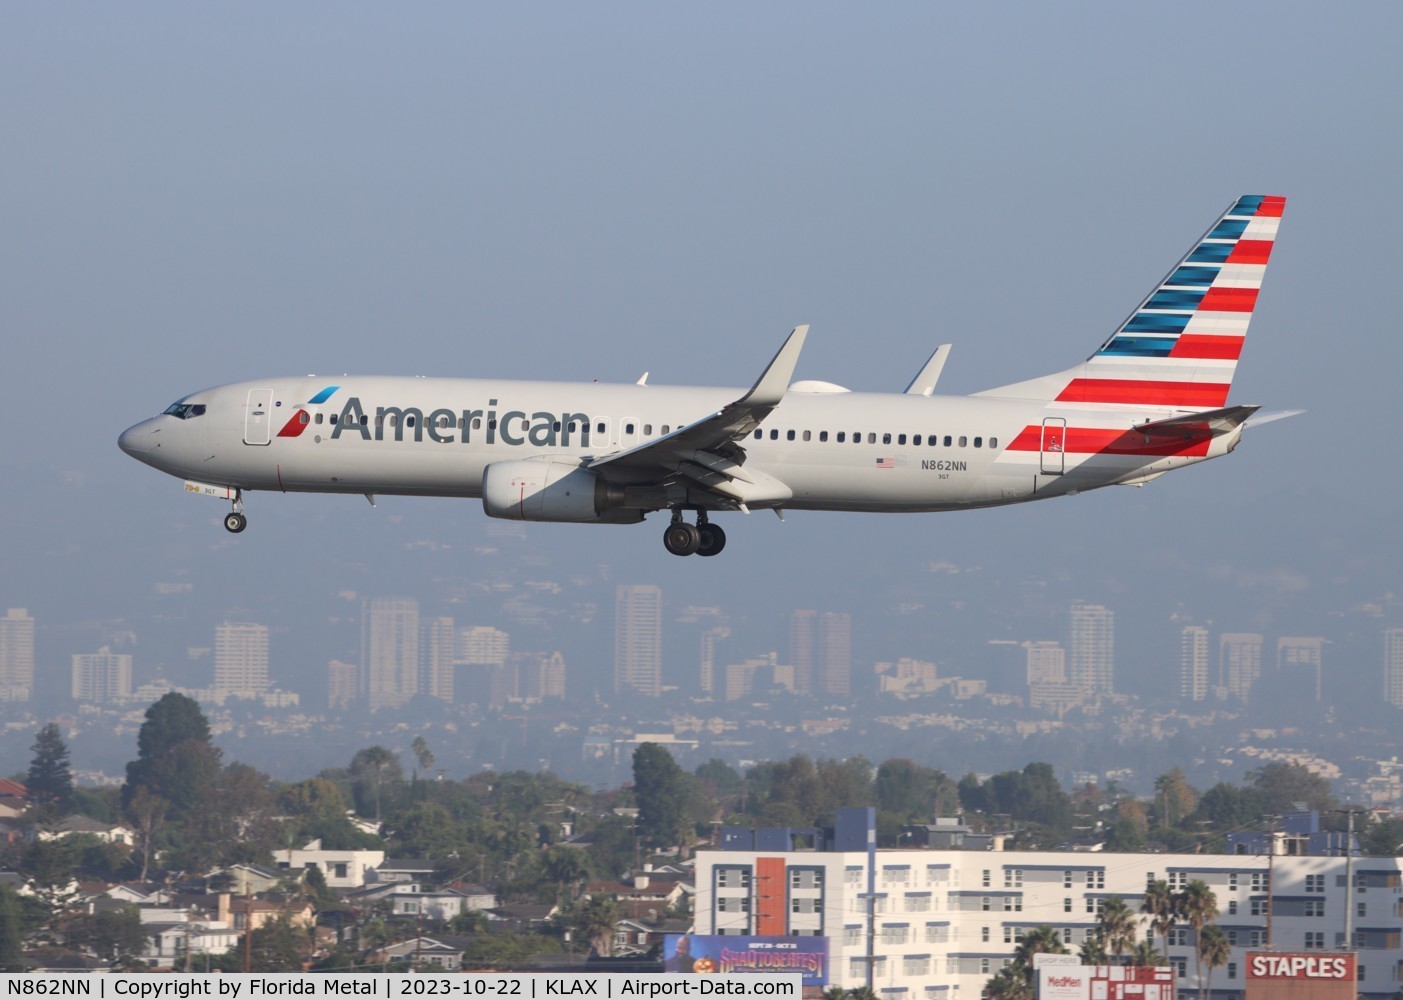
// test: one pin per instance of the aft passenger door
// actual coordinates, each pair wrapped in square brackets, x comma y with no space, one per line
[258,418]
[1054,446]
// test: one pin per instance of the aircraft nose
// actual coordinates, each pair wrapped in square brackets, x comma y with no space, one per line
[138,439]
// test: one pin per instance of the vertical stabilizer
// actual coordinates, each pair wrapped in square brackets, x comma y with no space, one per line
[1179,348]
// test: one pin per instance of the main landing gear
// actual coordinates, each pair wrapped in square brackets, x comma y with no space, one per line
[234,521]
[703,538]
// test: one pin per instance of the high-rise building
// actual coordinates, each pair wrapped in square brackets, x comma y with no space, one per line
[540,676]
[102,676]
[835,653]
[340,684]
[1239,663]
[483,645]
[1091,662]
[16,655]
[1047,662]
[441,656]
[1393,666]
[240,659]
[710,638]
[390,650]
[1193,663]
[803,648]
[638,639]
[1298,664]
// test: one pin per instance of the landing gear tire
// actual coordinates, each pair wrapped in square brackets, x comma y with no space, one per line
[681,538]
[234,522]
[713,539]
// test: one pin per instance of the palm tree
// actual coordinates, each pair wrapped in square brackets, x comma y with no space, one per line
[1163,907]
[1199,907]
[1008,984]
[1144,954]
[1040,940]
[1214,950]
[1092,950]
[1116,925]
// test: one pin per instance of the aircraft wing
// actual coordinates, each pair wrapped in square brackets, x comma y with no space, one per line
[708,451]
[1219,422]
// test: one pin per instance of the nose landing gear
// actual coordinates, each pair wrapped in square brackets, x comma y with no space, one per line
[703,538]
[234,521]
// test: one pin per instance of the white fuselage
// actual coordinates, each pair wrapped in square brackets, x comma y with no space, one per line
[835,450]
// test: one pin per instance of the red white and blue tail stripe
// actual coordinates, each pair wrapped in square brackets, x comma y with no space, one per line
[1180,347]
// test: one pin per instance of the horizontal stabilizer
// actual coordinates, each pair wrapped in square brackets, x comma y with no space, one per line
[1258,419]
[1220,421]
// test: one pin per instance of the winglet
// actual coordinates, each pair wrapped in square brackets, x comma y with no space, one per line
[924,382]
[770,387]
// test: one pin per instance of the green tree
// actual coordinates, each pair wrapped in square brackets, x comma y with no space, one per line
[718,779]
[147,812]
[50,779]
[174,757]
[1280,787]
[1225,807]
[1199,908]
[1383,839]
[12,931]
[1174,796]
[1117,925]
[1214,951]
[912,793]
[1092,951]
[110,934]
[1041,940]
[1009,983]
[276,947]
[660,787]
[1162,905]
[1145,954]
[593,921]
[372,770]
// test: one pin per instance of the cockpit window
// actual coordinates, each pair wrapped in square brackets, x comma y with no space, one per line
[185,411]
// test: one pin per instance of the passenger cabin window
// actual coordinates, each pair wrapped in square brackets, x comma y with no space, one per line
[666,428]
[759,434]
[901,439]
[993,442]
[886,439]
[872,437]
[647,430]
[774,435]
[477,423]
[947,440]
[628,428]
[303,418]
[842,436]
[333,418]
[319,418]
[789,435]
[599,427]
[916,439]
[963,441]
[979,442]
[806,435]
[823,435]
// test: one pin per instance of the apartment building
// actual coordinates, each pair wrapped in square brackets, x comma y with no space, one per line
[937,924]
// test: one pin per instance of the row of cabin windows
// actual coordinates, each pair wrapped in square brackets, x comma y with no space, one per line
[841,437]
[931,440]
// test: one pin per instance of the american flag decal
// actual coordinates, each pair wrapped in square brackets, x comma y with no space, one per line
[886,463]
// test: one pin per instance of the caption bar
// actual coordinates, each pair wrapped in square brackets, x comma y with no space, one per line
[392,986]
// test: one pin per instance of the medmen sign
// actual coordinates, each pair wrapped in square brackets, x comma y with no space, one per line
[1288,975]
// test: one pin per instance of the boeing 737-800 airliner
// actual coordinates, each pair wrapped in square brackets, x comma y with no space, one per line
[1154,397]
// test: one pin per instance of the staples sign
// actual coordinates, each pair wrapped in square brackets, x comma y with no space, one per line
[1293,965]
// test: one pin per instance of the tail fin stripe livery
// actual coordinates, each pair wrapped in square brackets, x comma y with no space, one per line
[1194,395]
[1199,313]
[1098,440]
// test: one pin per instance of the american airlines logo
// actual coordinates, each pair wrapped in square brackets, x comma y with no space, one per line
[443,426]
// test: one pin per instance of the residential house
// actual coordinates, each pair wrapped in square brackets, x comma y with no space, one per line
[341,869]
[439,951]
[108,833]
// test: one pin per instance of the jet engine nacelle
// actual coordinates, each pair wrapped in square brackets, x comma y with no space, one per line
[551,490]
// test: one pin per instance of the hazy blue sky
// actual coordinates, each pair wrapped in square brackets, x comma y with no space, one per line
[199,194]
